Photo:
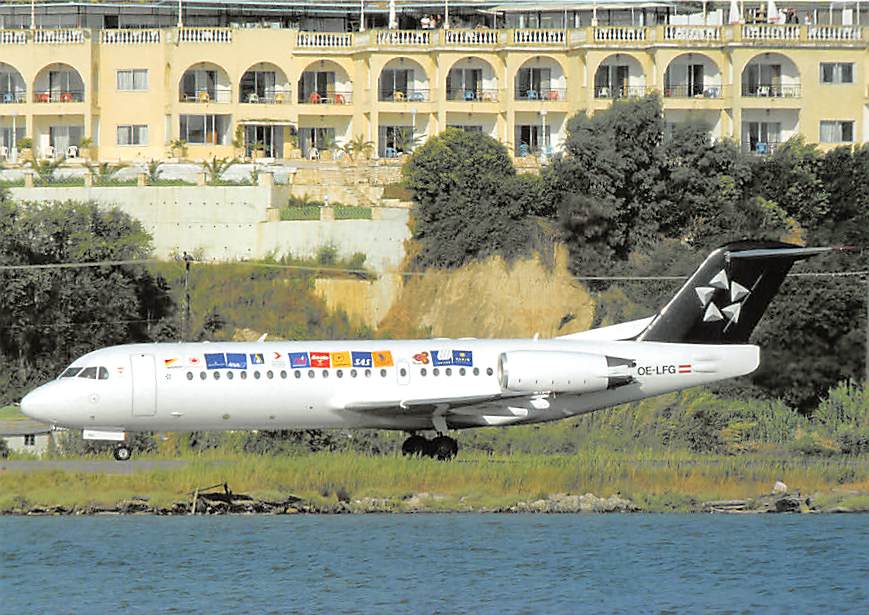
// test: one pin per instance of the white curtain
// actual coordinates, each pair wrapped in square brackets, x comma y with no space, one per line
[735,17]
[772,15]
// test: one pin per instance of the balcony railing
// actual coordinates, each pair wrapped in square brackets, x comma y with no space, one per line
[549,38]
[343,97]
[324,40]
[270,97]
[771,32]
[13,96]
[205,96]
[770,90]
[404,38]
[692,33]
[470,38]
[129,37]
[543,94]
[205,35]
[620,33]
[58,37]
[761,148]
[834,33]
[13,37]
[618,91]
[404,95]
[693,91]
[58,96]
[478,95]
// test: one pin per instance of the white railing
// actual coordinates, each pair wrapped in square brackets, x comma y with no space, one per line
[129,37]
[835,33]
[538,37]
[324,39]
[58,37]
[692,33]
[771,32]
[404,38]
[205,35]
[619,33]
[13,37]
[471,38]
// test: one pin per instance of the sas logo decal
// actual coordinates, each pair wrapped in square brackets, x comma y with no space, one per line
[441,358]
[298,359]
[340,359]
[257,359]
[382,358]
[421,357]
[361,359]
[320,359]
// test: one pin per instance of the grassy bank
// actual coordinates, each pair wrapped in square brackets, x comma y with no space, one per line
[654,481]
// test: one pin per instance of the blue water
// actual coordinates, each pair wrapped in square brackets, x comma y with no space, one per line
[436,564]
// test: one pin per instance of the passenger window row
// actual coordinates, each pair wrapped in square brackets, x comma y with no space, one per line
[270,375]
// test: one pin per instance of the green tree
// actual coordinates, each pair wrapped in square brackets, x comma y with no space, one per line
[50,316]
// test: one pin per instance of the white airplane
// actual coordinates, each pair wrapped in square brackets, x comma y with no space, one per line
[699,337]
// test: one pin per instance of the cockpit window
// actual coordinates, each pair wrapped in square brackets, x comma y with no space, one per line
[89,372]
[70,372]
[103,373]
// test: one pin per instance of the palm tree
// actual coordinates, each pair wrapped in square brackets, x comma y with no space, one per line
[358,146]
[216,168]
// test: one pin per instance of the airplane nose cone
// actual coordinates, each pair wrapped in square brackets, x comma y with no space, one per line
[38,404]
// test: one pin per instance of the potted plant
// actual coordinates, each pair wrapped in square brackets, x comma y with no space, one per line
[328,147]
[358,148]
[292,146]
[25,148]
[177,148]
[258,150]
[238,139]
[85,148]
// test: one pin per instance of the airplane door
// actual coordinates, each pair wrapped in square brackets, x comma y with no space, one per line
[144,379]
[403,371]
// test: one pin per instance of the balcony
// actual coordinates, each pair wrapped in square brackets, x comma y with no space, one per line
[404,95]
[129,37]
[770,90]
[325,97]
[539,38]
[619,91]
[474,95]
[692,33]
[57,96]
[58,37]
[205,96]
[834,33]
[205,35]
[770,32]
[13,37]
[324,40]
[404,38]
[621,34]
[541,95]
[276,96]
[11,97]
[470,38]
[694,91]
[761,148]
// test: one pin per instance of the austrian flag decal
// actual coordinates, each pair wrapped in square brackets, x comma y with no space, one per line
[685,369]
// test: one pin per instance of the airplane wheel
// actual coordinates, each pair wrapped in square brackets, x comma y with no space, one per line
[122,453]
[414,446]
[444,448]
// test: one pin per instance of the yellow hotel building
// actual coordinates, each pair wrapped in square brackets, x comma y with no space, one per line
[295,78]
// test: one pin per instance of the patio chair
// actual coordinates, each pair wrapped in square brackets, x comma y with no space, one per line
[48,152]
[8,97]
[72,151]
[532,95]
[203,97]
[398,96]
[252,97]
[469,95]
[4,152]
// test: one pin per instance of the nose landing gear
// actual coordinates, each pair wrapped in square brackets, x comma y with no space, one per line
[442,447]
[122,452]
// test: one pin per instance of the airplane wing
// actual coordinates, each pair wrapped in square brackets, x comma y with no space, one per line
[417,407]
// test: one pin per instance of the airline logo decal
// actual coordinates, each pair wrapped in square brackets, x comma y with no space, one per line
[257,359]
[320,359]
[463,357]
[299,359]
[236,360]
[382,358]
[735,293]
[340,359]
[421,357]
[441,358]
[215,360]
[194,361]
[361,359]
[173,362]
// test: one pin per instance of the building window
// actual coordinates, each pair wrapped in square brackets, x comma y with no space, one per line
[837,131]
[29,440]
[204,129]
[134,80]
[136,134]
[837,72]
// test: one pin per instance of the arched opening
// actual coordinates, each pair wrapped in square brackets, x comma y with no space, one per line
[403,80]
[618,76]
[12,86]
[325,82]
[205,82]
[771,75]
[264,83]
[58,83]
[540,78]
[472,79]
[692,75]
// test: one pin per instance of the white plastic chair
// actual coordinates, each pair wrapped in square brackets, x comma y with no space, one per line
[4,152]
[72,151]
[48,152]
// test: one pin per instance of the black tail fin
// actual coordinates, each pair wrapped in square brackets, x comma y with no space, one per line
[726,297]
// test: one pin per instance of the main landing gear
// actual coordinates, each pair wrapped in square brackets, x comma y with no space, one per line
[442,447]
[122,452]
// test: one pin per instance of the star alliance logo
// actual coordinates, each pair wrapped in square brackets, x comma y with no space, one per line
[737,296]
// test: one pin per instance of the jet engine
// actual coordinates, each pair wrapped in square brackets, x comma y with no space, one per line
[555,371]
